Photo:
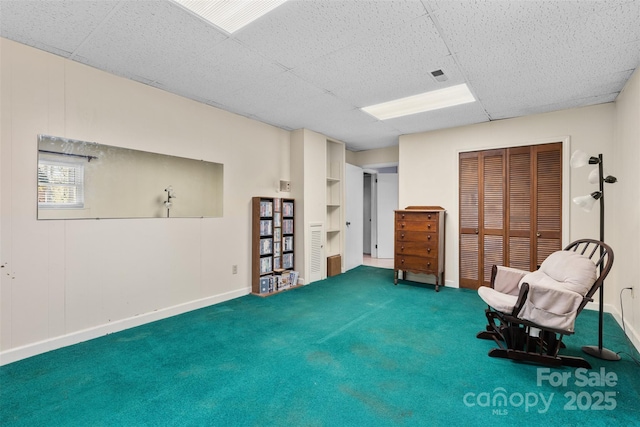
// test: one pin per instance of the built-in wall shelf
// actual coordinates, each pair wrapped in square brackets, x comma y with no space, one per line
[335,199]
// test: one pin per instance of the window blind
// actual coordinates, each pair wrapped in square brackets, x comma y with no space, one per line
[60,184]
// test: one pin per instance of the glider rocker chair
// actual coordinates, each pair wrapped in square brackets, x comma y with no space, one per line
[530,312]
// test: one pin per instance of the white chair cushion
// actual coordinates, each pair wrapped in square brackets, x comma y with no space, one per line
[570,269]
[551,307]
[499,301]
[508,279]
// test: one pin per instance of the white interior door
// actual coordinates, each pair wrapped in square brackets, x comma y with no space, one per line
[354,217]
[366,214]
[387,202]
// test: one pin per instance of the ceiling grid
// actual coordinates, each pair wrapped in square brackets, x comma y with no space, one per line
[314,64]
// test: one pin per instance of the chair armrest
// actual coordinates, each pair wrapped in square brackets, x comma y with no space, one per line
[506,279]
[550,307]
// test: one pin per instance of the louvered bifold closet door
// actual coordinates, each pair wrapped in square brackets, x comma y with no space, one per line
[510,209]
[482,224]
[492,232]
[520,192]
[548,197]
[469,226]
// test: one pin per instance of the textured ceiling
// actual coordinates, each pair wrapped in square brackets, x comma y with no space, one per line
[313,63]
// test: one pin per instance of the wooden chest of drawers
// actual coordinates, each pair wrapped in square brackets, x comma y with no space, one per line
[419,242]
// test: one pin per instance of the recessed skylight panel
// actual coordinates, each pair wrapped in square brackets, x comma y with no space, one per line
[428,101]
[230,15]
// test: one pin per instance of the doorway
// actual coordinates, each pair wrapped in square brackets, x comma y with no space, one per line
[380,199]
[375,189]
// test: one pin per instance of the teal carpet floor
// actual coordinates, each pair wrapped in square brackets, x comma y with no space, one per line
[352,350]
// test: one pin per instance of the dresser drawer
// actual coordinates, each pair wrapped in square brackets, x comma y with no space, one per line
[421,248]
[417,216]
[415,236]
[417,225]
[416,263]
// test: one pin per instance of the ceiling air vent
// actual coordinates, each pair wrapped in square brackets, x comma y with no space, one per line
[439,76]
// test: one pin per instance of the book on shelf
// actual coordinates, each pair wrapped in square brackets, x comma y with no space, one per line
[293,278]
[287,208]
[287,226]
[266,208]
[266,246]
[282,279]
[276,248]
[276,204]
[287,261]
[287,243]
[276,219]
[276,262]
[266,227]
[277,233]
[266,265]
[265,283]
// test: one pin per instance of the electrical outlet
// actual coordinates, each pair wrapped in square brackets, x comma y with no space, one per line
[234,269]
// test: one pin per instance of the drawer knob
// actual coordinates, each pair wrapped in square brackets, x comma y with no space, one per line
[428,236]
[402,235]
[428,249]
[429,226]
[429,216]
[428,264]
[402,248]
[402,225]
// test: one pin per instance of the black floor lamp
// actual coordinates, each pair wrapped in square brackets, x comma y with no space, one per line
[579,159]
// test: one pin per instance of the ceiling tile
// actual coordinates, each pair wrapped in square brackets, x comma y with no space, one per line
[283,90]
[389,66]
[218,73]
[300,31]
[148,38]
[57,27]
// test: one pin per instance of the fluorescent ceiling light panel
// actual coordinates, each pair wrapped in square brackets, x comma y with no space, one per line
[230,15]
[434,100]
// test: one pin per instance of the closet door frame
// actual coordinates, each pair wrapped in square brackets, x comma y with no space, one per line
[566,185]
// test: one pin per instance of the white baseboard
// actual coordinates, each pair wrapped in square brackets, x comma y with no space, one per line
[632,333]
[19,353]
[451,284]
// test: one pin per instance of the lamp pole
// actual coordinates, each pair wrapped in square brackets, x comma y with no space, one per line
[598,351]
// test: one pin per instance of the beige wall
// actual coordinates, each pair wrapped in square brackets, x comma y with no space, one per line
[623,206]
[428,175]
[308,160]
[428,171]
[65,281]
[372,158]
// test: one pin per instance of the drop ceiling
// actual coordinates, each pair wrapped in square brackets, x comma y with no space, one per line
[314,63]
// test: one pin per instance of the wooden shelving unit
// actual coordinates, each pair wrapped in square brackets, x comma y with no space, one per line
[272,244]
